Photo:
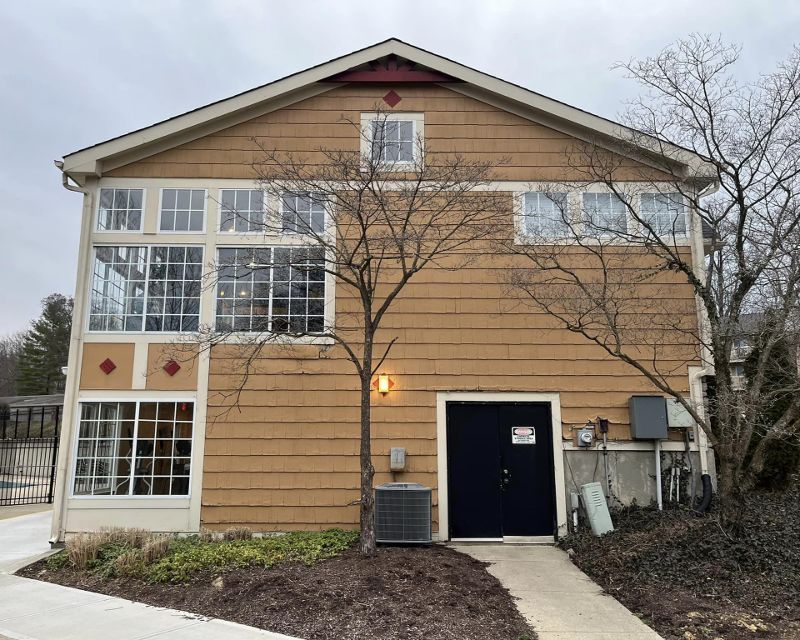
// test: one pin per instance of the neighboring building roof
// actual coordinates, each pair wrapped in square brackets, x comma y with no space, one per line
[418,64]
[18,402]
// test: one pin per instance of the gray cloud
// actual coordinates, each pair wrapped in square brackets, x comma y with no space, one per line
[73,74]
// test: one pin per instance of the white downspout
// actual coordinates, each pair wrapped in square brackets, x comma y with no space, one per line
[74,360]
[697,373]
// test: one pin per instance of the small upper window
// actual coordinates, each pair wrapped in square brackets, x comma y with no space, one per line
[242,210]
[120,210]
[393,140]
[303,213]
[664,213]
[605,213]
[546,214]
[182,209]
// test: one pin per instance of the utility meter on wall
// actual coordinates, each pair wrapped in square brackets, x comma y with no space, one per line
[585,437]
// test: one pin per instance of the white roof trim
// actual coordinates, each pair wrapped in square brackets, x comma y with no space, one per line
[90,160]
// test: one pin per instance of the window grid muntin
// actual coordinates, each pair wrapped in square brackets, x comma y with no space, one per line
[544,213]
[296,285]
[664,212]
[179,205]
[605,213]
[137,322]
[117,207]
[123,309]
[177,263]
[242,220]
[235,276]
[187,426]
[393,137]
[294,206]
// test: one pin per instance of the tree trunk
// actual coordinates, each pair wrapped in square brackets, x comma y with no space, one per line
[729,492]
[367,542]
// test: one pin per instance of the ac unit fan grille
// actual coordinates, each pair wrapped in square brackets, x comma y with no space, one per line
[403,513]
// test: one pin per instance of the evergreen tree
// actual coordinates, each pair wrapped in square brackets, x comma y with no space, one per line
[45,348]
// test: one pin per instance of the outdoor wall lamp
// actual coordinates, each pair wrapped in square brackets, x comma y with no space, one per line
[383,383]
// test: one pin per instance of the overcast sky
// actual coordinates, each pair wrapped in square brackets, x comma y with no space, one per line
[74,73]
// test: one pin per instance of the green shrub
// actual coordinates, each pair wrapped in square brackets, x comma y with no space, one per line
[159,558]
[57,561]
[191,555]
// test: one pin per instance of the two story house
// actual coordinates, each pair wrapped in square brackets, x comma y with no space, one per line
[147,440]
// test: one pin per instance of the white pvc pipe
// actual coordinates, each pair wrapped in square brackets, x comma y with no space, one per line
[658,475]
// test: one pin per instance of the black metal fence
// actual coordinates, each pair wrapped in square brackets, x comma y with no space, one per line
[30,422]
[28,454]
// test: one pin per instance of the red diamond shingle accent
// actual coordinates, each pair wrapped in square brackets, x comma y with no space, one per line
[392,98]
[172,368]
[107,366]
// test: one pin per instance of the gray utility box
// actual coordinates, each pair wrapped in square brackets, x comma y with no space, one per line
[403,513]
[648,417]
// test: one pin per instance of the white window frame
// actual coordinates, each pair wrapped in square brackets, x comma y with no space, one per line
[326,221]
[181,232]
[588,224]
[640,213]
[142,331]
[520,199]
[233,232]
[137,400]
[328,299]
[96,227]
[418,125]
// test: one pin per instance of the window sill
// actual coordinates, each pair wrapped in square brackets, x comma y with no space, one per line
[265,338]
[129,502]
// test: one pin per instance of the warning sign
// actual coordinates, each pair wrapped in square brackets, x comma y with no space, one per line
[523,435]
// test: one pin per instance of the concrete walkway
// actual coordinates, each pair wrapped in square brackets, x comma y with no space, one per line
[559,600]
[23,539]
[34,610]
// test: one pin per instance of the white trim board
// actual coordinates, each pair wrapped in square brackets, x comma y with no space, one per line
[554,399]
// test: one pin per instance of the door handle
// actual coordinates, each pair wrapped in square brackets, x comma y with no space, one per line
[505,479]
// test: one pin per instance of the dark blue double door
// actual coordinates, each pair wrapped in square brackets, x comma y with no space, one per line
[500,470]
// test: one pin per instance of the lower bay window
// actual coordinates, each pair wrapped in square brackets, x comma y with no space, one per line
[134,448]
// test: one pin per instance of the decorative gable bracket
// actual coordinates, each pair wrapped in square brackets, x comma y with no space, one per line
[391,69]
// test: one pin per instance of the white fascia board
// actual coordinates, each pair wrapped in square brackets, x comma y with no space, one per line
[223,110]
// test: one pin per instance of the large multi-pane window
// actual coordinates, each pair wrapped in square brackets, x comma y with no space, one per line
[182,209]
[120,210]
[134,448]
[278,289]
[241,210]
[546,214]
[604,213]
[392,140]
[146,288]
[303,213]
[664,212]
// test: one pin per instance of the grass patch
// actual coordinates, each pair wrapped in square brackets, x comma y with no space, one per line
[160,559]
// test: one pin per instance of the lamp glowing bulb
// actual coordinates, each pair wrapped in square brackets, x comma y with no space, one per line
[384,383]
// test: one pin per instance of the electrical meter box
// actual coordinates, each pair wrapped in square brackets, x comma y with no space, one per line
[397,459]
[648,417]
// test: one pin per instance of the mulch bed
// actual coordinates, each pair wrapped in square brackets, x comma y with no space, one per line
[690,579]
[404,593]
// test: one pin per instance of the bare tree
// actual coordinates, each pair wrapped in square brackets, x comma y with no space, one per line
[607,265]
[368,220]
[10,352]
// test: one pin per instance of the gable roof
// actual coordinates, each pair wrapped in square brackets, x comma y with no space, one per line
[96,159]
